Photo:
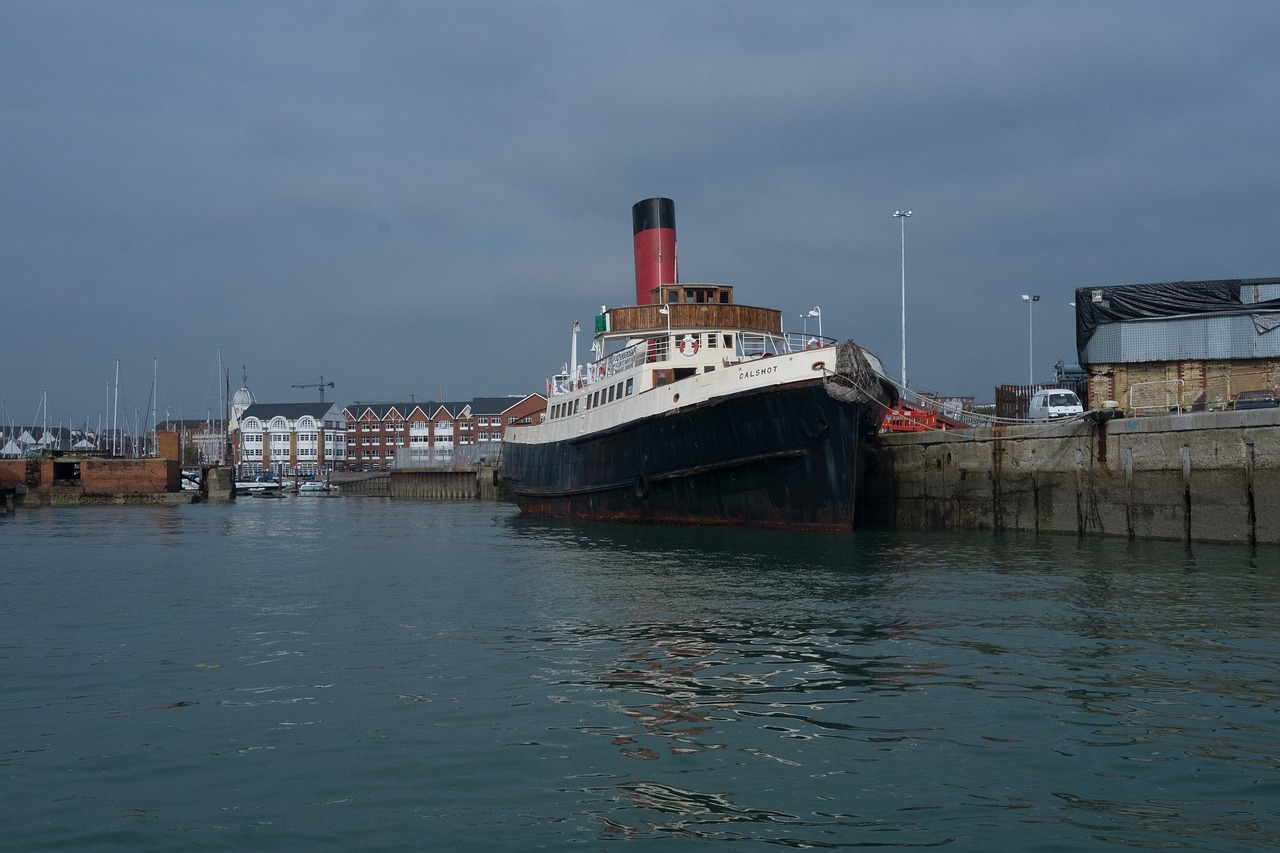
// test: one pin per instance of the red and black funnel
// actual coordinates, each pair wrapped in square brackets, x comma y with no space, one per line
[654,225]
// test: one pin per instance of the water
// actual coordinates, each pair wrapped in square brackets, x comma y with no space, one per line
[357,674]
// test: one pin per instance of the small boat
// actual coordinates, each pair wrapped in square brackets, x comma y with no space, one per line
[694,409]
[315,487]
[261,486]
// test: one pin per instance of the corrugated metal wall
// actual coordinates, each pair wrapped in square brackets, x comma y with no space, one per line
[1205,338]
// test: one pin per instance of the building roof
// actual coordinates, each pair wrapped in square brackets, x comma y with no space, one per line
[1222,319]
[292,411]
[455,409]
[381,410]
[496,405]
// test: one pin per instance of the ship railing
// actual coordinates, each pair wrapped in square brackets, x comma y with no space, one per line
[646,352]
[650,350]
[800,341]
[659,349]
[756,344]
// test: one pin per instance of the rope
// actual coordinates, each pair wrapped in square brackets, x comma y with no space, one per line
[868,396]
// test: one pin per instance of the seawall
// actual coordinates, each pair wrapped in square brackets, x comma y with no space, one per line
[448,484]
[1198,477]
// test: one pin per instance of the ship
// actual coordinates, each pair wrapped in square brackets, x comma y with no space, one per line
[695,409]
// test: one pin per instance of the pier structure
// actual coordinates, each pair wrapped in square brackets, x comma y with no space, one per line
[1194,477]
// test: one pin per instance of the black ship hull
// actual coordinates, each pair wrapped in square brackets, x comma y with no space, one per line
[787,456]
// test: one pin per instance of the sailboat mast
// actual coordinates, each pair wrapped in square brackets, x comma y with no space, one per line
[115,429]
[222,424]
[155,375]
[226,415]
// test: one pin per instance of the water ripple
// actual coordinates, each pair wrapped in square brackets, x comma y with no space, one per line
[366,674]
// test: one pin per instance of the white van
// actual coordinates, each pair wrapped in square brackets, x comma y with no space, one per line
[1054,403]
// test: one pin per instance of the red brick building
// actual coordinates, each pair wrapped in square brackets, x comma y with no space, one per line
[381,436]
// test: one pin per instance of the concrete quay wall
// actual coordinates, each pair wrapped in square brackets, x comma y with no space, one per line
[1198,477]
[445,484]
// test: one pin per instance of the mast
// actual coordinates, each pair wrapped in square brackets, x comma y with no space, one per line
[115,429]
[226,416]
[222,435]
[573,353]
[155,375]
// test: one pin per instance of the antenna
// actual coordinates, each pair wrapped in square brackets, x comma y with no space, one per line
[321,385]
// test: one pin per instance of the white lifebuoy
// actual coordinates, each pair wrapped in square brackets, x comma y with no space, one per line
[689,345]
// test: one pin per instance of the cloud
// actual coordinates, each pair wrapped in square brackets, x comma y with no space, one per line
[404,195]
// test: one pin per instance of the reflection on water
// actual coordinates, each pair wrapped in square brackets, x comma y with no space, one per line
[895,691]
[361,674]
[744,696]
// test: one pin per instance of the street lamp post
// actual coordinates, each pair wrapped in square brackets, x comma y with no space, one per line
[1031,300]
[814,312]
[901,216]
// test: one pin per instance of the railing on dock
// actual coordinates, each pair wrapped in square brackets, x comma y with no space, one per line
[1156,398]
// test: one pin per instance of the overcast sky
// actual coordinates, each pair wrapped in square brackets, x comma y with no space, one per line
[420,198]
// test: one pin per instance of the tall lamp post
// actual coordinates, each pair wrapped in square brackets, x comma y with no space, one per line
[813,312]
[1031,348]
[901,216]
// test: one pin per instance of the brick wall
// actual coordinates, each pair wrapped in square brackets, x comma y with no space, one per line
[13,472]
[170,445]
[97,476]
[1211,383]
[124,476]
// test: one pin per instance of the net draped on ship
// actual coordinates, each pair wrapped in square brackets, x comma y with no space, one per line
[855,381]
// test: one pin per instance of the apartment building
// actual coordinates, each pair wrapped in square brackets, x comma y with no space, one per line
[290,439]
[381,436]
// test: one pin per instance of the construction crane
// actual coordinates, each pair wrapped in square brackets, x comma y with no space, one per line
[321,385]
